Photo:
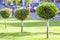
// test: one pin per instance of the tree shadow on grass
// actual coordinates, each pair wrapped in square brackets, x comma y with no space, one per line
[34,24]
[54,33]
[18,34]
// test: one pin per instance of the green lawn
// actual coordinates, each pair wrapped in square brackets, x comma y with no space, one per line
[34,29]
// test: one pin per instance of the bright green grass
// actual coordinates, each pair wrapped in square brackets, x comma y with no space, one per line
[34,29]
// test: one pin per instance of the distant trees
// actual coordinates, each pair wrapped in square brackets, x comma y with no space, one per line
[21,14]
[47,11]
[27,3]
[12,4]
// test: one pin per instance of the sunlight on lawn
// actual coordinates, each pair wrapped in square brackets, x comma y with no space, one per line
[33,30]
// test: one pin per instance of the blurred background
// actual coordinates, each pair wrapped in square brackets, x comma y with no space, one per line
[30,4]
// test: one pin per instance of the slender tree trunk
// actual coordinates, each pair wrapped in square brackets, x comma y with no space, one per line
[23,2]
[5,21]
[47,22]
[22,26]
[27,4]
[54,1]
[39,2]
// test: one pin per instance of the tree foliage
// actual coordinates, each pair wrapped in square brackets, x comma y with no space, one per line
[29,1]
[21,14]
[11,1]
[47,10]
[5,13]
[17,2]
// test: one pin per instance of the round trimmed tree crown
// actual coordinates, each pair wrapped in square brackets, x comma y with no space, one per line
[5,13]
[47,10]
[21,14]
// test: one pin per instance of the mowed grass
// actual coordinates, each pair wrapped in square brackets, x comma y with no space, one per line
[34,29]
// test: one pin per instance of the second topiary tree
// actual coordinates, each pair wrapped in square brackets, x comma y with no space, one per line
[21,14]
[47,11]
[5,13]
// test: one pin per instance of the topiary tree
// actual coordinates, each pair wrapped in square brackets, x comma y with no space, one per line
[47,11]
[21,14]
[5,13]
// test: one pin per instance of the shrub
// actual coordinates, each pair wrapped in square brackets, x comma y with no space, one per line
[5,13]
[21,14]
[47,10]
